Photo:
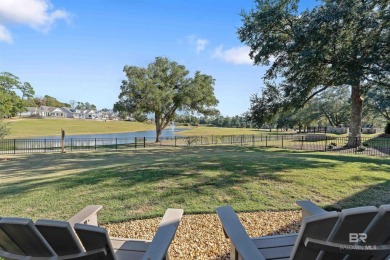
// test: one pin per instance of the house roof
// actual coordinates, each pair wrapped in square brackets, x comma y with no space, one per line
[47,108]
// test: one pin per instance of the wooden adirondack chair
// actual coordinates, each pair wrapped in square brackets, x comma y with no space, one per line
[81,238]
[323,235]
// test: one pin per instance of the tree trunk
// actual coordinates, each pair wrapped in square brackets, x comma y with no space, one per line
[157,120]
[356,116]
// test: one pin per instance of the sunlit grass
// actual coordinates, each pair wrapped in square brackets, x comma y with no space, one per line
[25,128]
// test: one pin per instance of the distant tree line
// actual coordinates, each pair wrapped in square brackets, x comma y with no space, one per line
[330,108]
[238,121]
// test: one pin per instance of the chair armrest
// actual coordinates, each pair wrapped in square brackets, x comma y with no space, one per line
[164,235]
[239,237]
[309,208]
[87,215]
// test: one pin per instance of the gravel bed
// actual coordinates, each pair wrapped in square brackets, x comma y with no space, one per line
[201,237]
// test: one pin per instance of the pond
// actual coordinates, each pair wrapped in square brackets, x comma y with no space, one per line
[147,134]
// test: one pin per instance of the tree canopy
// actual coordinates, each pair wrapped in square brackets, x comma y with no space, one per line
[163,88]
[10,103]
[337,43]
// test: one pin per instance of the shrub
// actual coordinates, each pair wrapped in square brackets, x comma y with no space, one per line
[387,128]
[361,148]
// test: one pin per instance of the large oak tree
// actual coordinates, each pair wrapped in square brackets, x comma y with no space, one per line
[338,43]
[163,88]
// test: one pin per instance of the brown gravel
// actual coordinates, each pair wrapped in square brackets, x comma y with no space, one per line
[201,236]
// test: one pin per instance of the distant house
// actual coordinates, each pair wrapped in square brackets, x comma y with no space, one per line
[46,111]
[89,114]
[71,112]
[31,111]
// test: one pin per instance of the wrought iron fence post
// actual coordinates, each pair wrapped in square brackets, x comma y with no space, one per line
[326,141]
[253,140]
[302,143]
[266,141]
[356,142]
[14,146]
[241,138]
[95,143]
[71,144]
[201,140]
[116,143]
[145,141]
[175,140]
[135,142]
[282,141]
[44,149]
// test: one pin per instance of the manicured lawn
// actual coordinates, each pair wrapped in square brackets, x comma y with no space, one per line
[24,128]
[143,183]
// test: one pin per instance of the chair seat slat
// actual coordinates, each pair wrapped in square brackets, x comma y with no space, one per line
[130,244]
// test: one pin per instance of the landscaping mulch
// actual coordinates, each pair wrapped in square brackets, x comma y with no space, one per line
[201,236]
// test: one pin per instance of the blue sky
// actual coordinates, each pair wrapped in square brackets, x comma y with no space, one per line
[76,50]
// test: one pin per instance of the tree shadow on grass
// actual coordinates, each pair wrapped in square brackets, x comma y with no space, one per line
[175,177]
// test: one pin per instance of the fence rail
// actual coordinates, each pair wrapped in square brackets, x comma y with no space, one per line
[368,146]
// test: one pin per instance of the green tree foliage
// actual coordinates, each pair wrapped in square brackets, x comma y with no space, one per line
[334,104]
[387,128]
[163,88]
[85,106]
[337,43]
[379,100]
[10,103]
[53,102]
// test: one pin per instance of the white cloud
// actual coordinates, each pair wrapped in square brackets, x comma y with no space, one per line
[37,14]
[235,55]
[5,35]
[199,43]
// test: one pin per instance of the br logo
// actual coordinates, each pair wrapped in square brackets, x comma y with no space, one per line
[356,237]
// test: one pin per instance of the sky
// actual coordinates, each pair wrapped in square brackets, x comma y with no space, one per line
[76,50]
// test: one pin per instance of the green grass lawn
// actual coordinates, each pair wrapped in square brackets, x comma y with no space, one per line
[143,183]
[25,128]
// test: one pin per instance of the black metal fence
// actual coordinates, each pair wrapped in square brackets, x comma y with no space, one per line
[376,146]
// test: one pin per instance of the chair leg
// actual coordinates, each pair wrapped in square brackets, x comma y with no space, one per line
[233,252]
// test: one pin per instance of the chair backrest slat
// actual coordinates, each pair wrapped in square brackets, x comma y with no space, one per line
[60,236]
[317,226]
[93,237]
[26,236]
[376,233]
[8,245]
[351,221]
[381,222]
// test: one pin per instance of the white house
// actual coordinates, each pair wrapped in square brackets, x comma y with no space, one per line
[89,114]
[31,111]
[47,111]
[71,112]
